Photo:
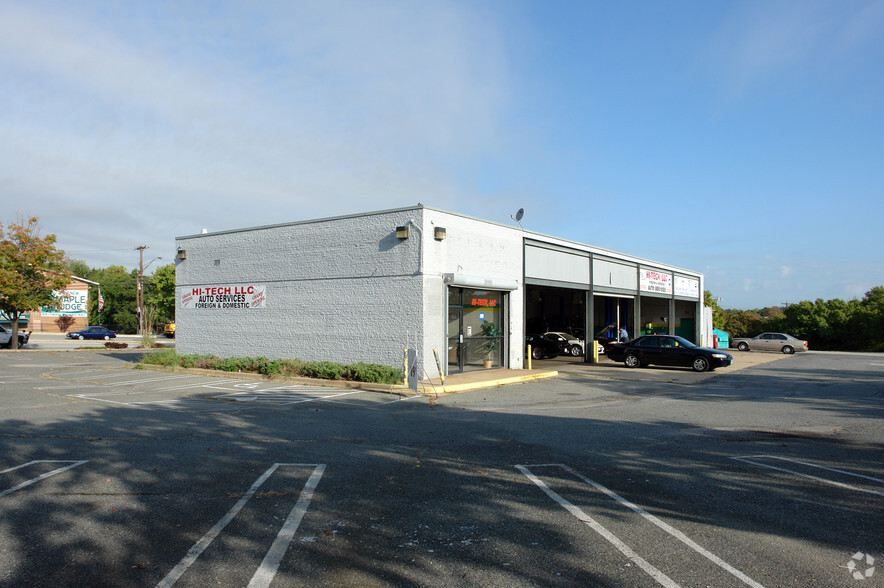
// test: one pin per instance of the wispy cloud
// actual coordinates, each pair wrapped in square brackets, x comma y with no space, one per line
[311,109]
[762,43]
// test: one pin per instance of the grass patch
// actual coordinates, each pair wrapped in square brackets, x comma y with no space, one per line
[370,373]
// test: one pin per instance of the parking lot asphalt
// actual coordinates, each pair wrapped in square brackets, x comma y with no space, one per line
[767,475]
[563,366]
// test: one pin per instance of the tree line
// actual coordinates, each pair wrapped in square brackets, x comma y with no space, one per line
[33,270]
[834,325]
[118,291]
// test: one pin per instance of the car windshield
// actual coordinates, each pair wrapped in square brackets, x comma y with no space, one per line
[683,341]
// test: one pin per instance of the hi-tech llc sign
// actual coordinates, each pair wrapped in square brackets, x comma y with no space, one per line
[225,297]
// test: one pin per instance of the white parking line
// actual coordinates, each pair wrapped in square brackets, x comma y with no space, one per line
[273,397]
[268,568]
[54,472]
[750,458]
[270,565]
[80,384]
[595,526]
[186,386]
[147,380]
[648,516]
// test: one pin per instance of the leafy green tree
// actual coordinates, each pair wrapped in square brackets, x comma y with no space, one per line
[718,318]
[161,292]
[118,291]
[867,322]
[79,268]
[31,270]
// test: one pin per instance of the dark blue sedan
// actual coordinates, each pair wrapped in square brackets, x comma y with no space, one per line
[92,333]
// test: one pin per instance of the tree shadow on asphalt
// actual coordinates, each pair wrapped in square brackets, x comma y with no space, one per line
[413,495]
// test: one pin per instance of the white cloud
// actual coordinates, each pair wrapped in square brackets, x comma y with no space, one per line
[765,43]
[128,116]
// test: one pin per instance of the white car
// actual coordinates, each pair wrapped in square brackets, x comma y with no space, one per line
[574,346]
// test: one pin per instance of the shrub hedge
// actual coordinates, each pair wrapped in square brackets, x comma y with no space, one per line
[357,372]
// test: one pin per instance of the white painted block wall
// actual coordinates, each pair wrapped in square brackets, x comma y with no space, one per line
[342,290]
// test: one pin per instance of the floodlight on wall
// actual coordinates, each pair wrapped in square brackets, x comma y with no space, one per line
[402,232]
[181,255]
[439,233]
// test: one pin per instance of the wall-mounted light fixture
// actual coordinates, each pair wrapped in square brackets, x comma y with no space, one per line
[181,255]
[402,232]
[439,233]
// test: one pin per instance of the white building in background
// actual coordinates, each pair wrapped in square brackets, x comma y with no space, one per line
[362,288]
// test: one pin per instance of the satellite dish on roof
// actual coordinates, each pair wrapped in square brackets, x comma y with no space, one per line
[518,216]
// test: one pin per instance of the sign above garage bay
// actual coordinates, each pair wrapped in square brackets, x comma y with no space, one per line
[654,281]
[688,287]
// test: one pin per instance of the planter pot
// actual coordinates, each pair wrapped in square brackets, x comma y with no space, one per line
[489,363]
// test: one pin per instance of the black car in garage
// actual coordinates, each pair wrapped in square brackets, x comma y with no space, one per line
[542,347]
[667,350]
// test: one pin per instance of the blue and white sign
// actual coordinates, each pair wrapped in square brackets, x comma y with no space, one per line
[71,303]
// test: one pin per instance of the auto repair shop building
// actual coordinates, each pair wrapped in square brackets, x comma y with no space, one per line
[362,288]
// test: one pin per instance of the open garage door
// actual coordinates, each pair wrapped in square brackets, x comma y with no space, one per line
[562,310]
[610,315]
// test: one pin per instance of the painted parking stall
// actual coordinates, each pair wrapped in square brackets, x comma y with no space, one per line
[643,562]
[33,471]
[185,392]
[199,559]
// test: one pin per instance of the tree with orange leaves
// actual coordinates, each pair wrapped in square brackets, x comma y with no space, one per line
[31,271]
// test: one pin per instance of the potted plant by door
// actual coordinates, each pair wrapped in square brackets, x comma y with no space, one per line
[491,331]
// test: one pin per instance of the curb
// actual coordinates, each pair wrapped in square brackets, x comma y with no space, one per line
[429,389]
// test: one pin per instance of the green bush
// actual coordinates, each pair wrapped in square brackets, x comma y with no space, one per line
[229,364]
[372,372]
[189,361]
[325,370]
[167,358]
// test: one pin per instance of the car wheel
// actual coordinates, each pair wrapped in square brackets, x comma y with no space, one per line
[81,337]
[576,350]
[743,346]
[701,364]
[788,350]
[537,353]
[107,338]
[631,361]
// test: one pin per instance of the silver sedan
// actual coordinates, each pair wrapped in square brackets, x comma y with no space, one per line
[771,342]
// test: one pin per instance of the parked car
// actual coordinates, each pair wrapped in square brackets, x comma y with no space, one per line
[169,330]
[668,350]
[6,337]
[573,344]
[94,332]
[770,342]
[542,347]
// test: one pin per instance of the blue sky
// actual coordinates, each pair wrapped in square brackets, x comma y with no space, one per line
[741,139]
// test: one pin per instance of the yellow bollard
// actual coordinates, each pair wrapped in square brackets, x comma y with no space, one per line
[529,357]
[595,351]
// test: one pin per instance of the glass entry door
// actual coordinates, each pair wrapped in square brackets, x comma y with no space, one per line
[475,329]
[455,340]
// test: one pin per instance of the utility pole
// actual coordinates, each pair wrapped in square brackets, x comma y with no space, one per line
[139,294]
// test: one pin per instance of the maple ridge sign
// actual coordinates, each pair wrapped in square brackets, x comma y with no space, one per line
[225,297]
[70,303]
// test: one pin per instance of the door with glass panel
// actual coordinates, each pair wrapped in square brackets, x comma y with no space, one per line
[455,339]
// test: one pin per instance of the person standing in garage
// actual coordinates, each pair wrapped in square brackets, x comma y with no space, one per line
[624,336]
